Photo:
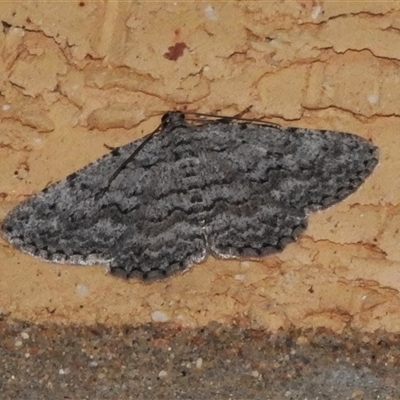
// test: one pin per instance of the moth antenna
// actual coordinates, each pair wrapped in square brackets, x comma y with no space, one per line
[210,118]
[172,119]
[132,156]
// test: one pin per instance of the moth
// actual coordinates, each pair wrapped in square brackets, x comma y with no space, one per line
[224,187]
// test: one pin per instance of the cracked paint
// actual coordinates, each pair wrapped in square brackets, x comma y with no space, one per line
[75,80]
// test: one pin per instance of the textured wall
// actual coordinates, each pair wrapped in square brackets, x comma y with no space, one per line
[79,76]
